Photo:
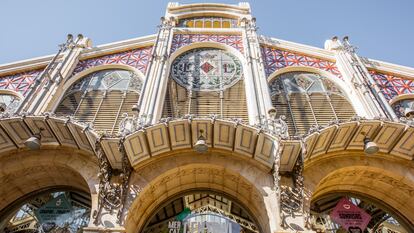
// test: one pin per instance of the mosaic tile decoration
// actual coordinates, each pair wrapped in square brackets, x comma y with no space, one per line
[137,58]
[19,82]
[275,59]
[180,40]
[392,86]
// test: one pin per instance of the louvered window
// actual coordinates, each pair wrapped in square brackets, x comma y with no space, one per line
[102,98]
[307,100]
[205,82]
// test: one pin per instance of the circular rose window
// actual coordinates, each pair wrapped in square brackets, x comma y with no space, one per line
[206,69]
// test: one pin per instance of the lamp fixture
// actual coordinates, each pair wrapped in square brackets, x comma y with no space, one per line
[370,147]
[201,144]
[272,113]
[34,142]
[135,108]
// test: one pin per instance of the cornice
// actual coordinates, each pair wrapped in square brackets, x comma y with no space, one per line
[203,7]
[41,62]
[118,46]
[124,45]
[25,65]
[389,68]
[297,48]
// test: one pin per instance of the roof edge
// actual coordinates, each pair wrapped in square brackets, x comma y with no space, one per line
[41,62]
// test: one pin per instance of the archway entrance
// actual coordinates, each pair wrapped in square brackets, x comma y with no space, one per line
[381,218]
[59,209]
[380,185]
[201,211]
[225,188]
[46,190]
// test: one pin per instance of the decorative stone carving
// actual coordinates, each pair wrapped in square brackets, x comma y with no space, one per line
[113,185]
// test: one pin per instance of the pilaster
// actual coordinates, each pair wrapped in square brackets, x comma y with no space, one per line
[49,85]
[256,71]
[156,79]
[371,103]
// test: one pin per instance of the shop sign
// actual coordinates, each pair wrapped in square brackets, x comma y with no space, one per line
[350,217]
[174,226]
[53,210]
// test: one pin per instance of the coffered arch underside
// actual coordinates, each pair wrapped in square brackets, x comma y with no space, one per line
[375,181]
[165,178]
[26,173]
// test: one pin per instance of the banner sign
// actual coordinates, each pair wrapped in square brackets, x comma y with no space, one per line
[54,209]
[350,217]
[174,226]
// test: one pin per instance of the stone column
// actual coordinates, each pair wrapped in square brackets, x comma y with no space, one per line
[153,92]
[356,78]
[255,71]
[59,69]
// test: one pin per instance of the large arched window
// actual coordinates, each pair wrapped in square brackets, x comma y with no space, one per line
[101,98]
[9,102]
[308,99]
[404,108]
[206,81]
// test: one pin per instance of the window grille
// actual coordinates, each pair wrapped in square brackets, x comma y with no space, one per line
[208,22]
[101,98]
[9,103]
[307,100]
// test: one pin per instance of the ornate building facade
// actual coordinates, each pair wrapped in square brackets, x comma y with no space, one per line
[206,126]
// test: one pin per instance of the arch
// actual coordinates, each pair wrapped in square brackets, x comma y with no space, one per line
[101,98]
[349,92]
[26,172]
[390,180]
[338,82]
[401,97]
[208,44]
[305,106]
[249,95]
[11,92]
[69,82]
[403,105]
[170,177]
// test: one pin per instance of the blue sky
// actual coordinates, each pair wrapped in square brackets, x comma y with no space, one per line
[381,29]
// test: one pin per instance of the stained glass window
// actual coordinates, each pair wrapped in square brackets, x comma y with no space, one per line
[206,70]
[206,81]
[307,100]
[101,98]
